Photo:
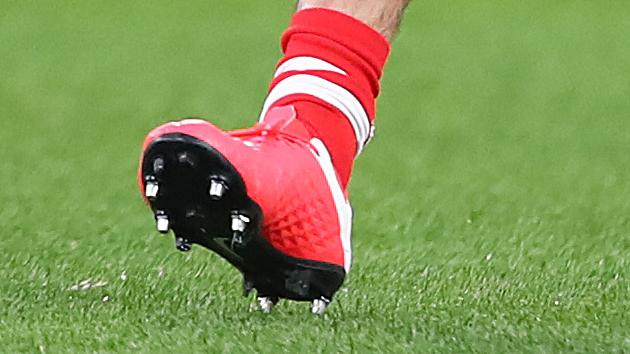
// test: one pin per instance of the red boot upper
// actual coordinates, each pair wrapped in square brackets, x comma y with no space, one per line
[283,175]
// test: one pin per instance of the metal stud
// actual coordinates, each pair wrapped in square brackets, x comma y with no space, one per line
[239,222]
[265,304]
[151,189]
[162,223]
[182,244]
[217,189]
[319,306]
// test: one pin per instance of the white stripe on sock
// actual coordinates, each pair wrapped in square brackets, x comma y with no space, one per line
[307,63]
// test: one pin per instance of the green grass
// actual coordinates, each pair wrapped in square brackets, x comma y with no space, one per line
[492,209]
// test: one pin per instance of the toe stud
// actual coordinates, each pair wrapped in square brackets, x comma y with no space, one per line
[266,304]
[319,306]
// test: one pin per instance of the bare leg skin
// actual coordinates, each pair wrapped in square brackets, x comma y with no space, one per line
[382,15]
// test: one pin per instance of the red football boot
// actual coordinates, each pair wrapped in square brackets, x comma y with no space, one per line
[266,199]
[271,200]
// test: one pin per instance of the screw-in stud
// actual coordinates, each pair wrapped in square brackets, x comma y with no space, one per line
[217,189]
[265,304]
[162,223]
[151,189]
[239,222]
[319,306]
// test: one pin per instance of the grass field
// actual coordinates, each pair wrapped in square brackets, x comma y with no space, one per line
[492,209]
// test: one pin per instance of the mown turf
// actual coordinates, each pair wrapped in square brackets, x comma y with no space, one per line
[492,209]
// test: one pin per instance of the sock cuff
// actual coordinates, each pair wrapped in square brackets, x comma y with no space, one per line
[348,31]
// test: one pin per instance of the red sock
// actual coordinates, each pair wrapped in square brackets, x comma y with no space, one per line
[330,73]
